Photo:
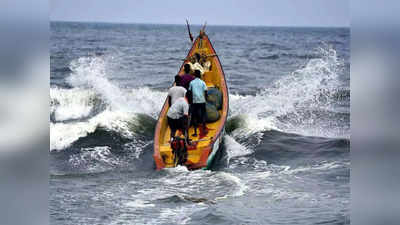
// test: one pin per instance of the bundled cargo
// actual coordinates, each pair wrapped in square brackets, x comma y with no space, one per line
[214,97]
[212,113]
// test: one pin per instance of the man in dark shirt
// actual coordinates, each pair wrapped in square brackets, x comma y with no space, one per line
[187,77]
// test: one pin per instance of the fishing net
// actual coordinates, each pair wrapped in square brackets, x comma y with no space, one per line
[212,113]
[215,97]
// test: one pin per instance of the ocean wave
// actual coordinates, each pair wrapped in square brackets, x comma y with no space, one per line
[72,104]
[91,73]
[104,157]
[288,55]
[301,102]
[75,113]
[179,185]
[300,56]
[62,135]
[62,70]
[272,46]
[234,149]
[95,101]
[94,159]
[295,103]
[321,166]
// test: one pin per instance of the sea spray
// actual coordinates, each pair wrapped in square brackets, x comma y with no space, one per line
[73,104]
[298,102]
[301,102]
[62,135]
[91,72]
[234,149]
[75,112]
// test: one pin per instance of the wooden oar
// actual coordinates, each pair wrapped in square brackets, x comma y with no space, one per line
[190,33]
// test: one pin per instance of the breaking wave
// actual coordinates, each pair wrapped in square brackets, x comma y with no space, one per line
[73,104]
[95,101]
[302,102]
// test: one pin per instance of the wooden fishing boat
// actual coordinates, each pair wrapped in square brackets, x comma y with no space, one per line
[203,148]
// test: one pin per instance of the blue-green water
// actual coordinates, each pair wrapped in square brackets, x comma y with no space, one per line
[286,156]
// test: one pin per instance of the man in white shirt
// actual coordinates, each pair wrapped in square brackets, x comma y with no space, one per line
[177,115]
[176,91]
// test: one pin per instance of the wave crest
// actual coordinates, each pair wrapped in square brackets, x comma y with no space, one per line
[303,102]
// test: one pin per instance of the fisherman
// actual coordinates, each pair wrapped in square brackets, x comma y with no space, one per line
[204,63]
[177,116]
[198,89]
[176,91]
[187,77]
[195,63]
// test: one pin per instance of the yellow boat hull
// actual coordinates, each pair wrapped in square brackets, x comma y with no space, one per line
[206,145]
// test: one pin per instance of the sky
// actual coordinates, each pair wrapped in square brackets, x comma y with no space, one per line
[320,13]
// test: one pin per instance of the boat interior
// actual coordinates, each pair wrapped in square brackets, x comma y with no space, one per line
[203,139]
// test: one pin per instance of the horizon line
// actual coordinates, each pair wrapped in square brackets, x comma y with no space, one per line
[233,25]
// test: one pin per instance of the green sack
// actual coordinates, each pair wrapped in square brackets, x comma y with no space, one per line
[212,113]
[214,97]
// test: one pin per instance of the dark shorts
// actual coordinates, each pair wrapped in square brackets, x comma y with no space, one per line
[176,124]
[198,112]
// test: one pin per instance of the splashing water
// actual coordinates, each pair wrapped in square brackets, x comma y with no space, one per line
[299,102]
[234,149]
[72,104]
[93,88]
[94,158]
[90,72]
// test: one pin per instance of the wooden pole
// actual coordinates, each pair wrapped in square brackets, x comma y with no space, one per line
[190,33]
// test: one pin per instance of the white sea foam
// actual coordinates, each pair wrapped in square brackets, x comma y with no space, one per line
[73,103]
[192,185]
[177,170]
[147,101]
[78,103]
[181,214]
[91,86]
[91,73]
[138,203]
[241,187]
[324,165]
[136,147]
[94,158]
[63,135]
[234,149]
[293,96]
[292,103]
